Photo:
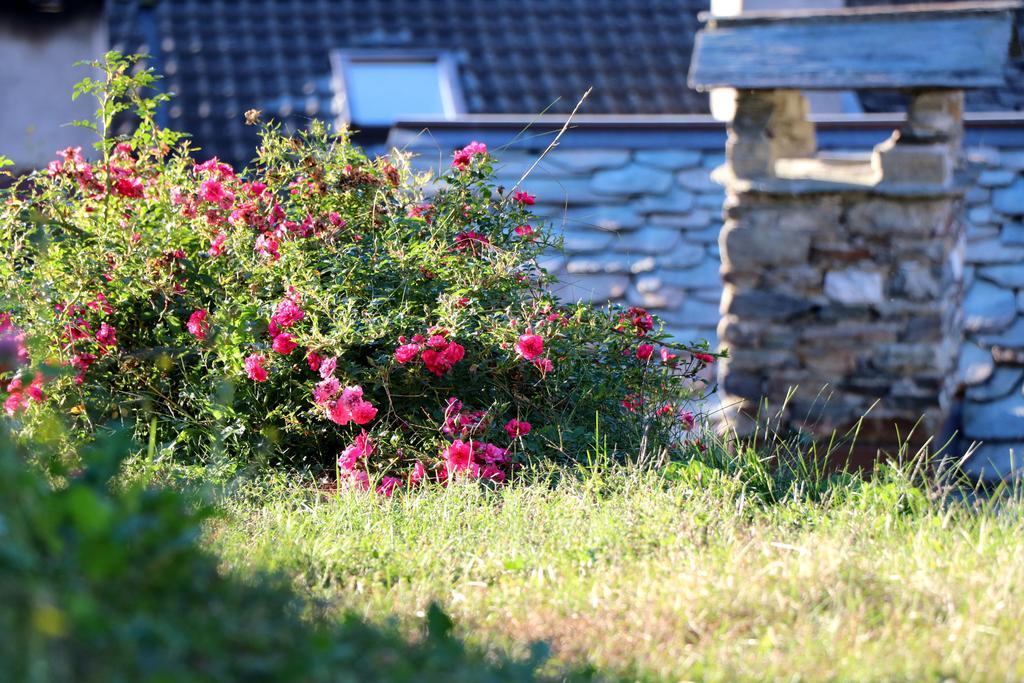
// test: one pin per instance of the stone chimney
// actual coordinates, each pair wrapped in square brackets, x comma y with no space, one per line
[843,274]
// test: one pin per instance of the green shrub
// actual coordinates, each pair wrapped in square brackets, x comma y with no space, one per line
[285,309]
[106,584]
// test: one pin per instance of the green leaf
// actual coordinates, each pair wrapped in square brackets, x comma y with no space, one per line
[90,514]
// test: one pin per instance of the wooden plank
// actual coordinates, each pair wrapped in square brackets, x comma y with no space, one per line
[893,12]
[850,51]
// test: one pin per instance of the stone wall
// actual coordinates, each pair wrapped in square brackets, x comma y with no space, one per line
[641,219]
[639,227]
[992,362]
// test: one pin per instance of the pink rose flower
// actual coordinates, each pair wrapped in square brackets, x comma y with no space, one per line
[530,346]
[363,412]
[357,479]
[435,362]
[254,367]
[524,198]
[328,366]
[462,158]
[493,473]
[268,246]
[491,454]
[387,485]
[516,428]
[406,353]
[35,389]
[362,447]
[287,313]
[82,361]
[197,324]
[14,402]
[418,474]
[217,244]
[106,335]
[128,186]
[440,362]
[644,352]
[524,230]
[458,456]
[212,191]
[284,344]
[454,352]
[351,408]
[325,391]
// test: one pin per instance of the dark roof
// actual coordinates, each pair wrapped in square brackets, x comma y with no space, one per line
[222,57]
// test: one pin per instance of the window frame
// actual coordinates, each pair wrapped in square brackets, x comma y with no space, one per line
[452,100]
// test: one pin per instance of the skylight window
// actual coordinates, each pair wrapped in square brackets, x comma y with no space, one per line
[379,88]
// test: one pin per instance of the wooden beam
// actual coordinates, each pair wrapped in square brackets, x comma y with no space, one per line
[955,45]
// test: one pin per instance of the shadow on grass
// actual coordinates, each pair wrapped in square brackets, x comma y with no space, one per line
[107,583]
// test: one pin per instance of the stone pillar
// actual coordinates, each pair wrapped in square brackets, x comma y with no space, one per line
[841,290]
[926,149]
[769,125]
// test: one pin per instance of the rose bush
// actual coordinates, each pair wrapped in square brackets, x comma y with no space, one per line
[319,306]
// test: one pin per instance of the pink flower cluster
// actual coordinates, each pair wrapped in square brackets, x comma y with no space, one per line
[475,459]
[256,367]
[12,341]
[122,177]
[686,418]
[468,454]
[463,423]
[352,466]
[287,312]
[471,242]
[464,157]
[198,325]
[437,352]
[72,164]
[342,405]
[13,353]
[531,347]
[637,318]
[18,395]
[122,172]
[78,333]
[226,202]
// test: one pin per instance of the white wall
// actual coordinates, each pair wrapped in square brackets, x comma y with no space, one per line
[36,79]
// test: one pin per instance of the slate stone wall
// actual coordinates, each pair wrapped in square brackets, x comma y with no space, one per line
[640,227]
[992,361]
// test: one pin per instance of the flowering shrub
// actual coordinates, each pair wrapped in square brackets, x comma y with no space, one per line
[318,306]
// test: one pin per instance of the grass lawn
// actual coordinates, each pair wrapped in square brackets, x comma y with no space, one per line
[685,576]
